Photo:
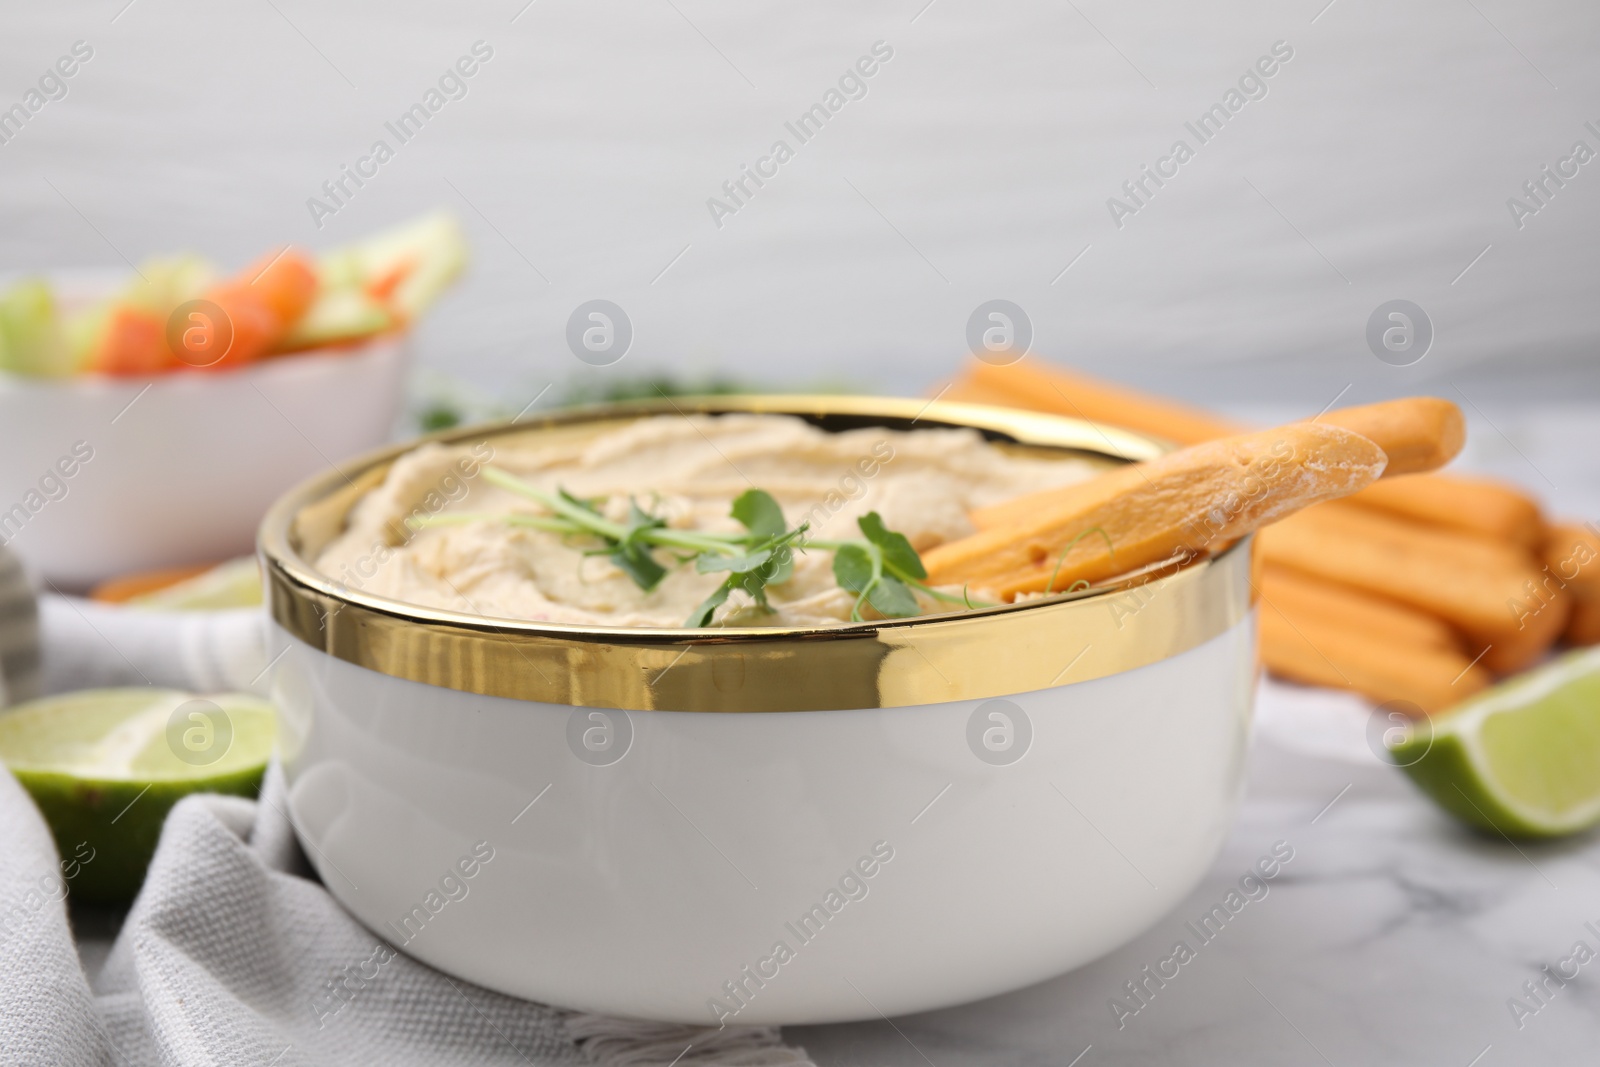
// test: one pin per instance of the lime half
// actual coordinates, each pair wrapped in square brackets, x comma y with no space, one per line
[106,765]
[1523,757]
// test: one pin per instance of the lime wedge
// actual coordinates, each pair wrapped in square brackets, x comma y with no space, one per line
[106,765]
[1523,757]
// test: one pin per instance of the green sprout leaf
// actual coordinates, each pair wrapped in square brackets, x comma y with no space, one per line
[639,519]
[759,513]
[701,616]
[852,568]
[758,590]
[771,561]
[586,505]
[892,599]
[631,553]
[898,555]
[858,571]
[633,558]
[737,564]
[780,565]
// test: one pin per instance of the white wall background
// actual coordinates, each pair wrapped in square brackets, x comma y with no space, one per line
[978,166]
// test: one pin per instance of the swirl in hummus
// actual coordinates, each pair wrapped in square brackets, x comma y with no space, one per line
[688,470]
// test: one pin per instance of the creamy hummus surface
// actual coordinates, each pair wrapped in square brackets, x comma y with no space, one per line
[688,470]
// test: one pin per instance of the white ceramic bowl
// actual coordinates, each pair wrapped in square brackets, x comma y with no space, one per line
[181,467]
[920,813]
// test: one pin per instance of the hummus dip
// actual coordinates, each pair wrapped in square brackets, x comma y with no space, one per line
[688,470]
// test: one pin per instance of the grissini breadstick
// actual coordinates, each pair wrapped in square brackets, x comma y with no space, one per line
[967,391]
[1542,616]
[1497,513]
[1536,614]
[1178,505]
[1419,433]
[1584,626]
[1481,506]
[1030,383]
[1572,554]
[1471,584]
[1473,552]
[1394,425]
[1379,669]
[1422,430]
[1305,600]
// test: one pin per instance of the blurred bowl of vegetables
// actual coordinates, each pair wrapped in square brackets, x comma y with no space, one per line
[148,422]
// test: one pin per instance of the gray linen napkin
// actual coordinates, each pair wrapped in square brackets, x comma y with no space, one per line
[87,645]
[235,954]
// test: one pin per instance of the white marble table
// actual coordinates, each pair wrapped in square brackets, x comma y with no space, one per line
[1392,937]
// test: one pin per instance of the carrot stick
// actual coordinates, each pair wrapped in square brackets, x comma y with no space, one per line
[133,343]
[251,322]
[260,305]
[118,590]
[287,283]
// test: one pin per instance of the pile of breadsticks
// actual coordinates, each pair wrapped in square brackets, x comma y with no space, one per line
[1418,588]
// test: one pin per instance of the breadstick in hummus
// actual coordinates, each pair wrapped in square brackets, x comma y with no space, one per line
[1421,430]
[1418,433]
[1182,504]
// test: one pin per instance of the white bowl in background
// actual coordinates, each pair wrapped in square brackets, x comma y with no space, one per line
[631,821]
[181,466]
